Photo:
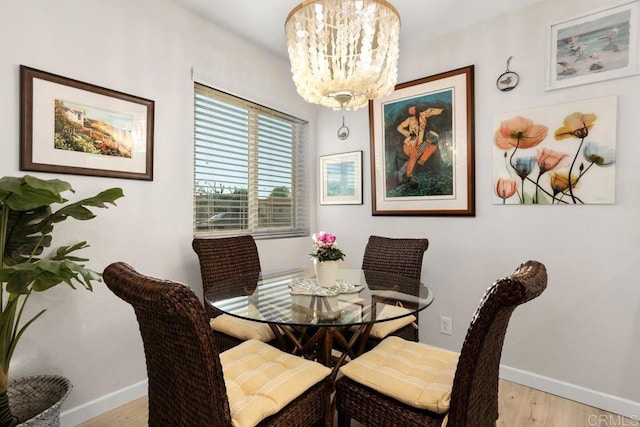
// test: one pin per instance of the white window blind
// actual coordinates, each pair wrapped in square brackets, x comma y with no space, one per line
[248,168]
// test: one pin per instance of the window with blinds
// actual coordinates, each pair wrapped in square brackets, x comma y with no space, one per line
[248,168]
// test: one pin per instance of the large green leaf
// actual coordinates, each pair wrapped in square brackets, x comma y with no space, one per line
[78,210]
[55,186]
[64,252]
[26,236]
[10,185]
[28,192]
[18,278]
[83,275]
[44,274]
[29,231]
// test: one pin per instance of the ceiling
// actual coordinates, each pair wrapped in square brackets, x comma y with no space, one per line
[262,21]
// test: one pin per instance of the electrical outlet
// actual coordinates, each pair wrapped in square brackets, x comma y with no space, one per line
[446,325]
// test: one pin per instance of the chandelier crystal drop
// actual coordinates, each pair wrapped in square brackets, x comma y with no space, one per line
[343,52]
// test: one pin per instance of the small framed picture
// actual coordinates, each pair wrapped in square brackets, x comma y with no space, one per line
[598,46]
[68,126]
[341,179]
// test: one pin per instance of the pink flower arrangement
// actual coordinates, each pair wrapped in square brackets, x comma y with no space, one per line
[324,247]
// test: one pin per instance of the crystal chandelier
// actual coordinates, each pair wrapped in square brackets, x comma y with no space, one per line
[343,52]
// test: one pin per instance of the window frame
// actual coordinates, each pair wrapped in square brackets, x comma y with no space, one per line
[257,115]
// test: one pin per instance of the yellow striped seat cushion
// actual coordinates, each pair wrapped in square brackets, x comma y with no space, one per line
[261,380]
[382,329]
[241,328]
[413,373]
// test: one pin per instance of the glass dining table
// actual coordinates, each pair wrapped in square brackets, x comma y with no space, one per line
[329,325]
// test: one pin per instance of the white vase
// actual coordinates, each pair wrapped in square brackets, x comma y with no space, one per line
[326,272]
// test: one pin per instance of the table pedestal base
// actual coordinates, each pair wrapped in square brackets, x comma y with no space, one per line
[320,342]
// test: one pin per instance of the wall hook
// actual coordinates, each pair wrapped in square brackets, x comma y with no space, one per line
[507,80]
[343,131]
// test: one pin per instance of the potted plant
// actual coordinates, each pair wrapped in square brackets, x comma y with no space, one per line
[27,220]
[325,258]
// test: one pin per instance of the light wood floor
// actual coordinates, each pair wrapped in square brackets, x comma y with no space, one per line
[519,407]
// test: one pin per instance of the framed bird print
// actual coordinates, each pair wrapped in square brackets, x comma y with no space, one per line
[598,46]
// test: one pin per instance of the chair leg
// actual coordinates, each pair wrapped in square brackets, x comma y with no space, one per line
[343,420]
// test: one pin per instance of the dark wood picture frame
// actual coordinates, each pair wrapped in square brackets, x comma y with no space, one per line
[423,148]
[71,127]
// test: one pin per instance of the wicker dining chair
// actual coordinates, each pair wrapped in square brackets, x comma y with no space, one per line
[222,259]
[473,397]
[191,383]
[401,257]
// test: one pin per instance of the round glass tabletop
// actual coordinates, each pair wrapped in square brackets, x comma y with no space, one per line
[294,298]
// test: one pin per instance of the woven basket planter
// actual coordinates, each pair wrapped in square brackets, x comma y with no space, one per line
[37,400]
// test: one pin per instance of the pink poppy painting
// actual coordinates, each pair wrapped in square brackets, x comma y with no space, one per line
[561,154]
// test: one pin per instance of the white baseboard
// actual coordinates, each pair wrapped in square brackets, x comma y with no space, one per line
[606,402]
[79,414]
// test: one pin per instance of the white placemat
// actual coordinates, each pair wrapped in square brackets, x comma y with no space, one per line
[311,287]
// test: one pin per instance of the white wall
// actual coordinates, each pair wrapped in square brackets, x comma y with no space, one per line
[146,48]
[580,338]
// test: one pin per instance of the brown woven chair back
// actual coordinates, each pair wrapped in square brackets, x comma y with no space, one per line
[224,258]
[474,397]
[395,256]
[186,386]
[402,257]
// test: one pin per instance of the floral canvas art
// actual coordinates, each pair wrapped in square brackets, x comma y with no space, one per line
[562,154]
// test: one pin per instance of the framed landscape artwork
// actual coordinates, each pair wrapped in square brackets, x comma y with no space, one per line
[422,147]
[68,126]
[561,154]
[341,179]
[598,46]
